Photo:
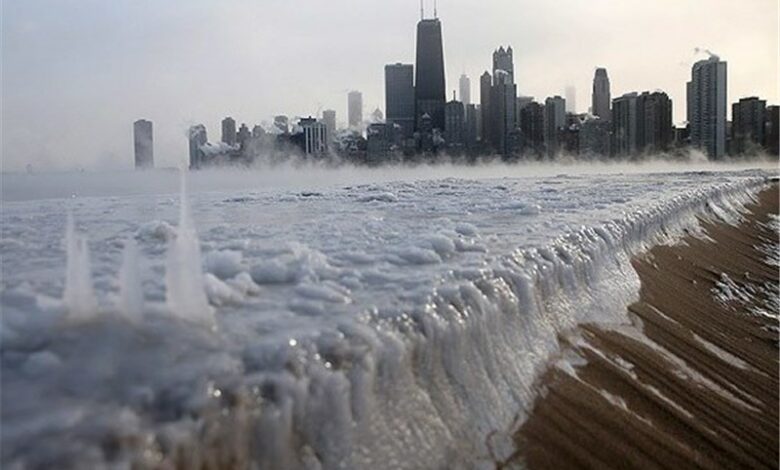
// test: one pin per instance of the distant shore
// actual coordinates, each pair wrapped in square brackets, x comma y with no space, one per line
[692,381]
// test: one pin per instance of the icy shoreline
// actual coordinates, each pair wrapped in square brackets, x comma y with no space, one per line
[402,354]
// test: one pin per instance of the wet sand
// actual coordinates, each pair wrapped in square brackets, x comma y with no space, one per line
[692,382]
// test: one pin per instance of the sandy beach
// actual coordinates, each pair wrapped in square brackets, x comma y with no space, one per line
[691,381]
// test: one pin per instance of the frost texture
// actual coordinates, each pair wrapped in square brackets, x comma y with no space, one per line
[392,325]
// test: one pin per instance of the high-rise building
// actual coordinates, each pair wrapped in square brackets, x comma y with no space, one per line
[641,123]
[197,139]
[707,106]
[625,125]
[243,136]
[471,126]
[532,128]
[314,137]
[503,60]
[570,94]
[772,139]
[399,97]
[748,125]
[485,89]
[465,90]
[430,90]
[229,131]
[601,95]
[595,137]
[655,132]
[329,119]
[380,140]
[143,139]
[355,109]
[503,103]
[454,123]
[554,124]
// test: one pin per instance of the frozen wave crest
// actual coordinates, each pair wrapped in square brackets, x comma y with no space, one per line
[354,331]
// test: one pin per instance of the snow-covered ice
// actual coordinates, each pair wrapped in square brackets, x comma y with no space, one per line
[392,324]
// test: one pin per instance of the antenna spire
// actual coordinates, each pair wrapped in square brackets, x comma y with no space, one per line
[435,12]
[422,9]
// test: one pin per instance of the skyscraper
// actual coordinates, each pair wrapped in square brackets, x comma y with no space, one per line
[601,95]
[503,60]
[570,93]
[465,90]
[144,144]
[430,90]
[503,103]
[554,123]
[772,139]
[454,114]
[399,97]
[329,119]
[625,125]
[229,131]
[532,128]
[314,137]
[485,89]
[197,139]
[748,125]
[707,106]
[655,133]
[355,109]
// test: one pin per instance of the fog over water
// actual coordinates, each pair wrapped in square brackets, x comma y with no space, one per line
[49,185]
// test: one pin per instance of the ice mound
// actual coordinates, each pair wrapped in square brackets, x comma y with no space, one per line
[158,231]
[224,264]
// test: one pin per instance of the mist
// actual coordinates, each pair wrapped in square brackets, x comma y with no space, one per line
[300,176]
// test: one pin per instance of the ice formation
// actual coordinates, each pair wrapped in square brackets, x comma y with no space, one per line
[184,283]
[79,295]
[387,325]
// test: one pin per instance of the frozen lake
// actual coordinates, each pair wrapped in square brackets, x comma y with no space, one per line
[350,318]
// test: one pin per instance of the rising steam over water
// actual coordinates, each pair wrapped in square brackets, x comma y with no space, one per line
[394,324]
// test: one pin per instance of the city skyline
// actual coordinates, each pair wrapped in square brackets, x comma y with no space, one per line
[100,138]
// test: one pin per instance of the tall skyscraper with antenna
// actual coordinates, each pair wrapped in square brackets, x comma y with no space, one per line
[430,88]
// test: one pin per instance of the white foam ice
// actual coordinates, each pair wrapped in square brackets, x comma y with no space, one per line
[392,325]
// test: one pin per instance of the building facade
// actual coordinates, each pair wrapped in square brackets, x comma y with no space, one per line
[197,139]
[531,117]
[329,119]
[399,97]
[485,90]
[355,109]
[655,132]
[430,88]
[554,124]
[748,125]
[707,106]
[465,90]
[315,137]
[229,131]
[454,123]
[503,59]
[625,125]
[570,94]
[143,140]
[601,95]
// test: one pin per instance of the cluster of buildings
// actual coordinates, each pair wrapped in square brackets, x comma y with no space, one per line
[420,123]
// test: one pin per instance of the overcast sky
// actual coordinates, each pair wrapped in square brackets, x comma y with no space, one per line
[76,74]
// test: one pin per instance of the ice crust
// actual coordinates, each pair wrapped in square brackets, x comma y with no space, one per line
[391,325]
